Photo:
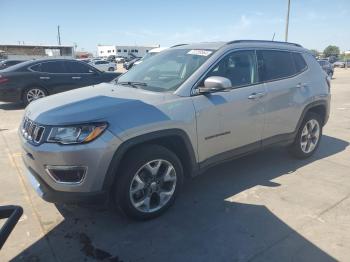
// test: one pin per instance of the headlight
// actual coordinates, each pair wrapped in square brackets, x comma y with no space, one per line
[76,134]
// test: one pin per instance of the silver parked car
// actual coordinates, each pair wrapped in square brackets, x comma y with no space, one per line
[174,115]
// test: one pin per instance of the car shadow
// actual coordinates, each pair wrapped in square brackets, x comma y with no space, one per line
[12,106]
[202,226]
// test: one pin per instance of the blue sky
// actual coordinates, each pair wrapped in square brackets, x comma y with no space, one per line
[313,23]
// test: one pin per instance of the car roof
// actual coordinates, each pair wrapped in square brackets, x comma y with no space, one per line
[242,43]
[203,45]
[11,60]
[33,62]
[157,49]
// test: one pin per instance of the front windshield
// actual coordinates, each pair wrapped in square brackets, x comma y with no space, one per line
[167,70]
[148,55]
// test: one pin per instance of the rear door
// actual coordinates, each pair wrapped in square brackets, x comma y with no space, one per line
[82,74]
[52,76]
[286,86]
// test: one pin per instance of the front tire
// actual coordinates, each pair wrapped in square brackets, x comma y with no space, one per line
[33,93]
[308,137]
[150,179]
[111,69]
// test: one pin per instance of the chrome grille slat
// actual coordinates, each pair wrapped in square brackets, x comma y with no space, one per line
[32,131]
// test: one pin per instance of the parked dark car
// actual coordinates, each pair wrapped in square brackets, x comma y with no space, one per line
[9,62]
[327,67]
[130,64]
[32,80]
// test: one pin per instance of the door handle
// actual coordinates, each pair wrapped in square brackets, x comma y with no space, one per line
[45,77]
[76,77]
[256,95]
[301,85]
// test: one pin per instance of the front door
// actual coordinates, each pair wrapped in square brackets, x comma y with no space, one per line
[231,122]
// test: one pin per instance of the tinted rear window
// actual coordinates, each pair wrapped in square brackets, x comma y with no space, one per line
[77,67]
[275,64]
[53,67]
[299,62]
[36,68]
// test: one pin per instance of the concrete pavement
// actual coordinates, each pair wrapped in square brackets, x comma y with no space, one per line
[263,207]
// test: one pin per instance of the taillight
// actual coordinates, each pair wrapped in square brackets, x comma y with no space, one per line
[3,79]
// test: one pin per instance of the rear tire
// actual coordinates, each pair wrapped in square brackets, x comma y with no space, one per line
[308,137]
[111,69]
[148,183]
[33,93]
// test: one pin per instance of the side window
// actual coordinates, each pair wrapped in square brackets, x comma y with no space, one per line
[53,67]
[76,67]
[238,66]
[275,64]
[36,68]
[299,62]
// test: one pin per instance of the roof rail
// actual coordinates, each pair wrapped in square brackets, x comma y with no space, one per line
[262,41]
[178,45]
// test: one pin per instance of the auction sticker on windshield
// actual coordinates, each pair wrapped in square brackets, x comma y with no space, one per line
[200,52]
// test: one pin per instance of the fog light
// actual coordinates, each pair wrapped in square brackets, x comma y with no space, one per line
[67,174]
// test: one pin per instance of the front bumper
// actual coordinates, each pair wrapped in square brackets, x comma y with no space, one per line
[50,195]
[96,156]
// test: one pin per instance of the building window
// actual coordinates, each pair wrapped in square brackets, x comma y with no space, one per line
[101,52]
[146,51]
[136,51]
[108,51]
[132,50]
[113,51]
[119,51]
[125,50]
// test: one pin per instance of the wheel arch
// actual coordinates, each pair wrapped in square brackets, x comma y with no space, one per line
[318,107]
[175,140]
[25,89]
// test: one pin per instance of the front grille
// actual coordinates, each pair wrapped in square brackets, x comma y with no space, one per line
[31,131]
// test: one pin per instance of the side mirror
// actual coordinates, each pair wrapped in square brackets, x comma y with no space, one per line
[215,84]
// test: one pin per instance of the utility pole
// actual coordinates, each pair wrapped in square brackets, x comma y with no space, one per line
[58,35]
[287,22]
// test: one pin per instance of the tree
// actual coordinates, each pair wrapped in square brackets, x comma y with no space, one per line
[314,52]
[331,50]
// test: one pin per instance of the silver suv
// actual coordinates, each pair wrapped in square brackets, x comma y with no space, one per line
[174,115]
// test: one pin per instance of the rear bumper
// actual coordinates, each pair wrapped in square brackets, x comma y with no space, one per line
[10,94]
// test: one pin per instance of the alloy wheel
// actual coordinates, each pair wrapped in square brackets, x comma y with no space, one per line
[34,94]
[310,136]
[153,185]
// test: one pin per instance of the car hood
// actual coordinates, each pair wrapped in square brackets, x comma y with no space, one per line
[122,107]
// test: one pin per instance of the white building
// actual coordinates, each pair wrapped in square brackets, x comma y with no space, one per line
[123,50]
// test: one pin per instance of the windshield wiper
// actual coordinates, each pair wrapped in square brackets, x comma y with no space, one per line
[132,84]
